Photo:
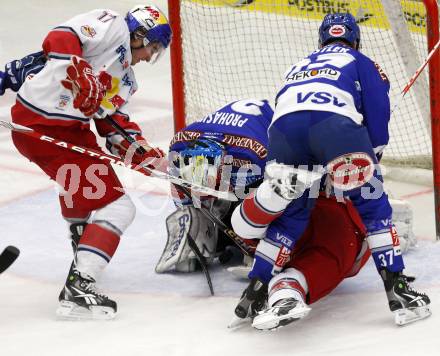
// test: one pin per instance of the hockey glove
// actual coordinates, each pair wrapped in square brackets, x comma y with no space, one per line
[119,146]
[3,84]
[88,89]
[17,71]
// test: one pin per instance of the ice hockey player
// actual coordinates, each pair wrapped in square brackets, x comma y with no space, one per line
[226,149]
[332,247]
[87,76]
[17,71]
[333,112]
[198,154]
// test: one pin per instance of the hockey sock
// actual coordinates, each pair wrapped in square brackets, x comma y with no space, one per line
[385,249]
[289,284]
[252,217]
[270,259]
[95,250]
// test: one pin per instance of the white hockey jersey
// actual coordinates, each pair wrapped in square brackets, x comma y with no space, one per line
[102,38]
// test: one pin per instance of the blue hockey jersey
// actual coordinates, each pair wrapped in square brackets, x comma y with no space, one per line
[241,127]
[339,79]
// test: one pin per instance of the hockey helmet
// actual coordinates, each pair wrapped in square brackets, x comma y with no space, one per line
[340,27]
[201,162]
[147,22]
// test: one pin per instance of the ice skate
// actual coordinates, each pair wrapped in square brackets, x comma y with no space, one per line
[284,312]
[80,300]
[407,304]
[252,300]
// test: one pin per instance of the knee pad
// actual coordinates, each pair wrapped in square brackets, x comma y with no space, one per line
[116,216]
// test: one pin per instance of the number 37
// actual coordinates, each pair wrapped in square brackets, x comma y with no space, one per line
[384,261]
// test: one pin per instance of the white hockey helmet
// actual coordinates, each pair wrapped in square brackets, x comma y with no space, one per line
[147,22]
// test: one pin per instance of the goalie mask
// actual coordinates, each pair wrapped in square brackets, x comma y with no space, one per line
[201,162]
[340,27]
[149,24]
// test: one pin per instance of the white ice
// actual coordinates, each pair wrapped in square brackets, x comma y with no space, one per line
[170,314]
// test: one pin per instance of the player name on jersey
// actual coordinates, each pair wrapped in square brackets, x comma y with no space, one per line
[225,118]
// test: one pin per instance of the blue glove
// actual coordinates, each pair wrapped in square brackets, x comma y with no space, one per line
[2,82]
[16,71]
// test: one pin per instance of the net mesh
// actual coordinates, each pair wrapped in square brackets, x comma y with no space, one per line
[234,51]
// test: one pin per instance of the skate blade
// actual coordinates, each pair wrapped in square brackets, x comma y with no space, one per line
[237,323]
[409,315]
[71,311]
[268,320]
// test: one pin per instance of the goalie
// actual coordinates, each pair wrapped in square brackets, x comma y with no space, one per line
[225,150]
[199,153]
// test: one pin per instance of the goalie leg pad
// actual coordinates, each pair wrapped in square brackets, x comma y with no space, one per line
[177,254]
[403,221]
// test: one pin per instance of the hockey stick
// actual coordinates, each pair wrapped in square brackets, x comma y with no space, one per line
[187,191]
[125,134]
[116,160]
[416,75]
[8,256]
[193,246]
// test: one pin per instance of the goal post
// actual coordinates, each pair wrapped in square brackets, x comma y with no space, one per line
[432,25]
[232,49]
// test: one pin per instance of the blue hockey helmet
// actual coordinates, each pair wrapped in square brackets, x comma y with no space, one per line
[340,27]
[147,22]
[201,162]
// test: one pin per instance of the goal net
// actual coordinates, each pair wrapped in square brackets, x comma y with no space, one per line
[241,49]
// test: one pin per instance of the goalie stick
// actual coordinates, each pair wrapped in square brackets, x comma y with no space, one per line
[7,257]
[202,260]
[116,160]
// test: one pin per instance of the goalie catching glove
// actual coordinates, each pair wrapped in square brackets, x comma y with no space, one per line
[88,89]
